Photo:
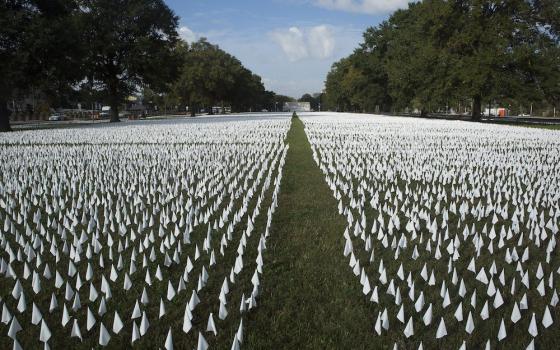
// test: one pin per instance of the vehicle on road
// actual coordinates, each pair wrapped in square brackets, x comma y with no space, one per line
[124,114]
[56,117]
[105,112]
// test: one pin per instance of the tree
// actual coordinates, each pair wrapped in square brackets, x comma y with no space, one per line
[417,63]
[312,101]
[547,16]
[198,77]
[130,43]
[248,93]
[337,93]
[439,51]
[38,49]
[210,75]
[162,101]
[280,100]
[14,17]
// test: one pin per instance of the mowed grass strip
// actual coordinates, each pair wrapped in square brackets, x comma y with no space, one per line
[309,299]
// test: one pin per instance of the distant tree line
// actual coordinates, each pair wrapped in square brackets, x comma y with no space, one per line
[437,54]
[212,77]
[106,50]
[315,100]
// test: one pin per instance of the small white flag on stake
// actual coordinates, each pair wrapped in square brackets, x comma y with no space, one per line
[441,331]
[202,344]
[169,340]
[104,336]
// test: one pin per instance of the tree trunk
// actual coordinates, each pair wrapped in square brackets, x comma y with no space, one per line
[114,103]
[114,112]
[477,108]
[423,113]
[4,115]
[193,109]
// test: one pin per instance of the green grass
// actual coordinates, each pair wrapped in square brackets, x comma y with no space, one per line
[517,335]
[310,299]
[549,127]
[124,300]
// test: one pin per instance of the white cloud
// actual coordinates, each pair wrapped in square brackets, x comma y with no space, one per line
[321,42]
[297,44]
[373,7]
[187,34]
[292,43]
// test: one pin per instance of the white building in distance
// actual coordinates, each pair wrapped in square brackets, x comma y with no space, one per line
[297,107]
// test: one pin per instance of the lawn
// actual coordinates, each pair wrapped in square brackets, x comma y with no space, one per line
[310,300]
[143,217]
[549,127]
[434,212]
[328,231]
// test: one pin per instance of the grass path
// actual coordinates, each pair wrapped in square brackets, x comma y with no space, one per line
[310,299]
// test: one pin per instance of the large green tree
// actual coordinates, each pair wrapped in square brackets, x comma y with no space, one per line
[130,44]
[547,16]
[438,52]
[360,81]
[491,52]
[210,76]
[280,100]
[14,17]
[248,93]
[312,101]
[417,64]
[39,48]
[338,93]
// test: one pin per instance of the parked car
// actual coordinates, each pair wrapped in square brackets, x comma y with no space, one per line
[56,117]
[105,112]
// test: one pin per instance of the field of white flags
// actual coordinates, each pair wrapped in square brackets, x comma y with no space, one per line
[452,228]
[150,235]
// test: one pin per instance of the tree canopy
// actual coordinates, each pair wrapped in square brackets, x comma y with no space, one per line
[129,44]
[436,52]
[112,47]
[315,100]
[38,49]
[212,77]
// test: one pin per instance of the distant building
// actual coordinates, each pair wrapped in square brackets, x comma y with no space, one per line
[221,110]
[496,112]
[297,107]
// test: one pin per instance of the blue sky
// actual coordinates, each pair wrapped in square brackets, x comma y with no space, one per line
[291,44]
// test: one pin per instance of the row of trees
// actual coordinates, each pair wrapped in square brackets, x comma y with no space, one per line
[109,49]
[463,52]
[315,100]
[210,77]
[106,46]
